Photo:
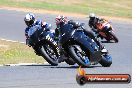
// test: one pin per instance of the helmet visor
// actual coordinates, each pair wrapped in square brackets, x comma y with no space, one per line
[29,23]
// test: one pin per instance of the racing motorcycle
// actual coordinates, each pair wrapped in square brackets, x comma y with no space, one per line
[81,48]
[106,31]
[44,44]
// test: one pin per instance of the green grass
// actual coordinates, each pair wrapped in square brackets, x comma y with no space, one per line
[14,52]
[119,8]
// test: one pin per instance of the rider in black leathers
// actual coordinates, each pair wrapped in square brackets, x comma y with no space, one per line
[93,20]
[61,20]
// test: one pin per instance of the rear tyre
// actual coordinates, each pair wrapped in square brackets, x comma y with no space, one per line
[106,61]
[79,55]
[49,53]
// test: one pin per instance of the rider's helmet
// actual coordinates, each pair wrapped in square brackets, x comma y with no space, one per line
[60,20]
[29,19]
[92,16]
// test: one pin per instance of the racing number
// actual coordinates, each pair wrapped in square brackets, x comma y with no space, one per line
[50,39]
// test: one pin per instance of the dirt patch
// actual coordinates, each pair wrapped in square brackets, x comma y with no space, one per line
[61,13]
[62,2]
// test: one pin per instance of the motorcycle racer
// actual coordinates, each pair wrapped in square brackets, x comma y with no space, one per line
[61,20]
[93,21]
[65,29]
[30,21]
[102,28]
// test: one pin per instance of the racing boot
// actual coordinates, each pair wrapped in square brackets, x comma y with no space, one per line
[101,46]
[61,57]
[104,50]
[37,53]
[61,54]
[36,50]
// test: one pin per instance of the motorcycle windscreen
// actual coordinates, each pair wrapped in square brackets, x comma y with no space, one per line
[34,33]
[65,32]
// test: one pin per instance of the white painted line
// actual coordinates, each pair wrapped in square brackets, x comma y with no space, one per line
[24,64]
[11,40]
[46,63]
[1,65]
[21,64]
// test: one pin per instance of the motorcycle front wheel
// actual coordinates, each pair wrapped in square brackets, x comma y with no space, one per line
[49,53]
[79,55]
[112,34]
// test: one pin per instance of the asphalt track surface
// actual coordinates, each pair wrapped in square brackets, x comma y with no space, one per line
[63,76]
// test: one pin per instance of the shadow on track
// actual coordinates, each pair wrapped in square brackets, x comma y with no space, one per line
[60,66]
[107,42]
[74,67]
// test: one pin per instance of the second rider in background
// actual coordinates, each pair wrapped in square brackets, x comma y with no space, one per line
[93,21]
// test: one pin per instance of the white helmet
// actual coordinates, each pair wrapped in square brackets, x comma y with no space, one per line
[29,19]
[91,15]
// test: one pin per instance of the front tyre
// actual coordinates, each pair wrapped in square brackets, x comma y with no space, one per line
[79,55]
[106,60]
[49,53]
[112,34]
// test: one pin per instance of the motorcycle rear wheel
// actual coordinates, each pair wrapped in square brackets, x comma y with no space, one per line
[106,61]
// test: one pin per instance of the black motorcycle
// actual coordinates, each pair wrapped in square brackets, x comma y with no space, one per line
[83,50]
[44,44]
